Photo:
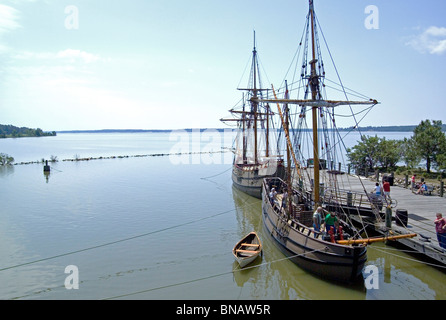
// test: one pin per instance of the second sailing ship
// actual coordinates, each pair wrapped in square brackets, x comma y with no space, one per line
[256,149]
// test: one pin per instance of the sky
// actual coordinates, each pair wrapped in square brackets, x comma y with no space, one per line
[174,64]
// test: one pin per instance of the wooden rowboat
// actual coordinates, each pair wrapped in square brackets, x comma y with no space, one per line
[247,249]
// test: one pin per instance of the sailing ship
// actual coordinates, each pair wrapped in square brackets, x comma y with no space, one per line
[255,157]
[312,181]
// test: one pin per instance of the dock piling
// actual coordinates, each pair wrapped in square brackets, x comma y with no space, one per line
[46,167]
[388,217]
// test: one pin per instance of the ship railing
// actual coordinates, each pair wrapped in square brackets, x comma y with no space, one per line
[351,198]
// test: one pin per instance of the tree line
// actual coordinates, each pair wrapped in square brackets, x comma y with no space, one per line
[10,131]
[407,128]
[427,145]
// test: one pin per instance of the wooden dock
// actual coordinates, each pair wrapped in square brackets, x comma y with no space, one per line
[421,210]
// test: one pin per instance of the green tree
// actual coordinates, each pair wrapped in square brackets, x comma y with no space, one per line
[429,143]
[5,159]
[373,153]
[409,153]
[364,156]
[389,153]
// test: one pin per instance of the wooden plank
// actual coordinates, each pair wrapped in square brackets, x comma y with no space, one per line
[246,251]
[250,245]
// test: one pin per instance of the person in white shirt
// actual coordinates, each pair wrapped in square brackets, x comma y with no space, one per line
[317,220]
[377,189]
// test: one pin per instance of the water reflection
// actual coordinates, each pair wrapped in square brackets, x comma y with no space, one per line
[249,273]
[402,276]
[6,170]
[46,174]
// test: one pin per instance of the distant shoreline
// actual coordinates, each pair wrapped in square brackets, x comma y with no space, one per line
[408,128]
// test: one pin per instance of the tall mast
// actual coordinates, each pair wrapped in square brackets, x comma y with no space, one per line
[267,131]
[243,132]
[314,85]
[255,103]
[288,153]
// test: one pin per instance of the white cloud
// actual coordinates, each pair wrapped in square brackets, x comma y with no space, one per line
[77,55]
[431,40]
[8,19]
[69,55]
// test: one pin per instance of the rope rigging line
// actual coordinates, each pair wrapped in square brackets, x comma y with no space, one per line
[243,74]
[339,78]
[117,241]
[406,258]
[342,88]
[208,277]
[216,175]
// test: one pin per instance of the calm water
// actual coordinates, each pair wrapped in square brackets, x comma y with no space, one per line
[155,228]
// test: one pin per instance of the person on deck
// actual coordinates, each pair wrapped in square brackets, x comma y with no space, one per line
[440,228]
[272,195]
[331,220]
[317,220]
[284,199]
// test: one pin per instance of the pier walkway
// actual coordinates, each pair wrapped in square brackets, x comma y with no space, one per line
[421,210]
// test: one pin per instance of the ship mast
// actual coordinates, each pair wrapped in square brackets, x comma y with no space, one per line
[314,85]
[255,103]
[254,115]
[316,102]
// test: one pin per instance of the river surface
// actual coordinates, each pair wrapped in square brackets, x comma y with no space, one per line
[157,218]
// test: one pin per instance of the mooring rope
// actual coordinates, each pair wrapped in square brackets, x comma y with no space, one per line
[208,277]
[406,258]
[218,174]
[117,241]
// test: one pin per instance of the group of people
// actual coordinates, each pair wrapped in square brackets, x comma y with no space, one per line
[385,188]
[421,187]
[272,197]
[331,220]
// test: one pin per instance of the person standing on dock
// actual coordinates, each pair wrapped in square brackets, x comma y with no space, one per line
[440,227]
[413,181]
[386,188]
[377,189]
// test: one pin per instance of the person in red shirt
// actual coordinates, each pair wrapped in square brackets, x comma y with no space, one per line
[386,188]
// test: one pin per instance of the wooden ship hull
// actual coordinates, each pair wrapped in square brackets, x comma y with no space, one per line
[247,249]
[296,239]
[249,178]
